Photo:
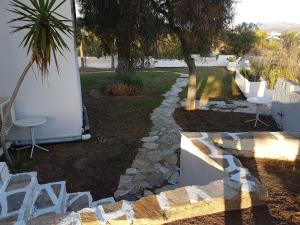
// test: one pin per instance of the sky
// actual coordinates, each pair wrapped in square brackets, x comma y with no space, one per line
[266,11]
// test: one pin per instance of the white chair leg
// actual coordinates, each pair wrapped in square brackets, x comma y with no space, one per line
[42,148]
[31,153]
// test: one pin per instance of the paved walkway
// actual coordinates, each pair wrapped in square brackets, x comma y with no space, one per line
[155,167]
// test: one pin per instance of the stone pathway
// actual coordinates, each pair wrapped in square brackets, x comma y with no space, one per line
[156,167]
[238,106]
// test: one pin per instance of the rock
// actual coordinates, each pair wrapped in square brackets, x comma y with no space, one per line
[165,188]
[150,146]
[172,159]
[125,182]
[153,133]
[131,171]
[147,193]
[150,139]
[174,178]
[154,179]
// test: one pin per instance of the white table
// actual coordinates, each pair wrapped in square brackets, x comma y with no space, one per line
[31,123]
[259,101]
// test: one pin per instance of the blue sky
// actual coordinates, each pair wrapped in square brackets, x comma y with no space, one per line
[262,11]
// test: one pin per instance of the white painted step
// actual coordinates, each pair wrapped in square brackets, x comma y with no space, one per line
[104,201]
[78,201]
[51,198]
[17,196]
[4,176]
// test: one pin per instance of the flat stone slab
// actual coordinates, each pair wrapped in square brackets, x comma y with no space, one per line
[269,145]
[150,139]
[50,199]
[17,197]
[78,201]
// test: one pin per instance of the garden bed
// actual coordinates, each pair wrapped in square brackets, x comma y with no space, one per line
[117,125]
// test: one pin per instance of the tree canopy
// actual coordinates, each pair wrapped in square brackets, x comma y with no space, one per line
[198,25]
[128,23]
[241,39]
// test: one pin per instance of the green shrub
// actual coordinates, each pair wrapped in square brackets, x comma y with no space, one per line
[130,80]
[249,75]
[124,86]
[20,162]
[231,59]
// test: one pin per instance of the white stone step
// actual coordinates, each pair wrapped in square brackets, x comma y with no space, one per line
[17,197]
[51,198]
[4,176]
[104,201]
[78,201]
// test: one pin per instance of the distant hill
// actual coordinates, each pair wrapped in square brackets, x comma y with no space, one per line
[280,27]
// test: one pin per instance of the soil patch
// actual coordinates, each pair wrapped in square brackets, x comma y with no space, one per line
[214,121]
[283,202]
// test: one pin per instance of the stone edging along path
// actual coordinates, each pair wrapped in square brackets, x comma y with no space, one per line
[155,167]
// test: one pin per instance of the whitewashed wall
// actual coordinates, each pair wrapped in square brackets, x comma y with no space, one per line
[58,98]
[253,89]
[105,62]
[286,105]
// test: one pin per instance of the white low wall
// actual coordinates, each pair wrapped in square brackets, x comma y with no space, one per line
[253,89]
[286,105]
[105,62]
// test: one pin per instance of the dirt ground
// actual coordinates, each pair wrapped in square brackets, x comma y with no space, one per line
[282,179]
[96,165]
[214,121]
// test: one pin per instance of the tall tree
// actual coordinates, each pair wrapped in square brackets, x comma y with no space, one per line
[117,21]
[197,24]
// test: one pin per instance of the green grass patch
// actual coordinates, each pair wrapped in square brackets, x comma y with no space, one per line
[213,83]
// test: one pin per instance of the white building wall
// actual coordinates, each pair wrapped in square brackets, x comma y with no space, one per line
[58,98]
[286,105]
[105,62]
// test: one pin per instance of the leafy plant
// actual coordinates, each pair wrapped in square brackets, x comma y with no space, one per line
[249,75]
[20,162]
[44,28]
[231,59]
[131,80]
[126,85]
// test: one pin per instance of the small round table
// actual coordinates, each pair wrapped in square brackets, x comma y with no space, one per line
[31,123]
[259,101]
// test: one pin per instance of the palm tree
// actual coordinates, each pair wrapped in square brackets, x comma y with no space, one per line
[43,41]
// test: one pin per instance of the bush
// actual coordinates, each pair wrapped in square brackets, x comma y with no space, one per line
[124,86]
[120,89]
[249,75]
[231,59]
[130,80]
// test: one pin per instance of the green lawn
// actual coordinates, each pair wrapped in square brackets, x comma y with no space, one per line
[213,83]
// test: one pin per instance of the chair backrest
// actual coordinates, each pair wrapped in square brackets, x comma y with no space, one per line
[4,103]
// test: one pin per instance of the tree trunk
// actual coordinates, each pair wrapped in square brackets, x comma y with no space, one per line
[186,50]
[82,54]
[8,111]
[124,57]
[192,90]
[112,61]
[142,66]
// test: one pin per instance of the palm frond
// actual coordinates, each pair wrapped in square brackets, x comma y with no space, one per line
[45,29]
